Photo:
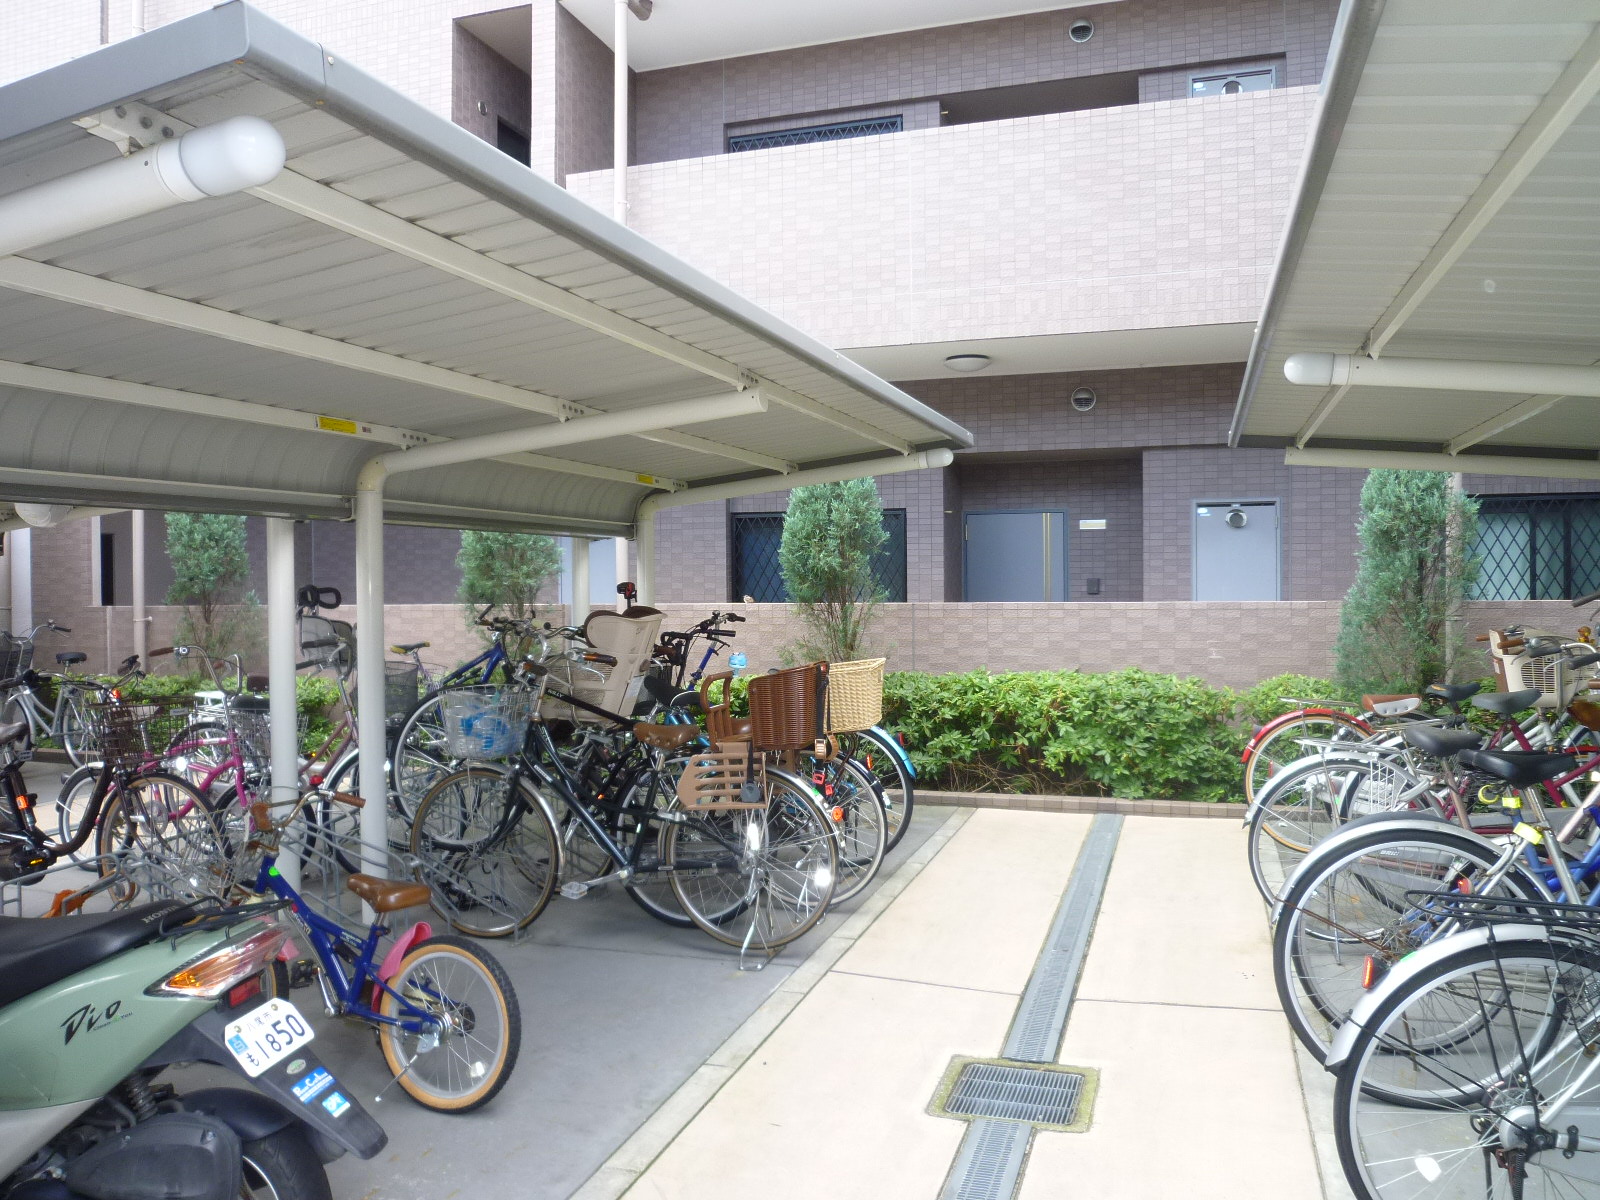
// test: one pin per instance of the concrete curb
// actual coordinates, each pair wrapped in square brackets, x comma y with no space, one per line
[1087,804]
[631,1159]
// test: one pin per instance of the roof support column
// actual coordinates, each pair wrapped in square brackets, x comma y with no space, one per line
[141,622]
[19,554]
[580,581]
[283,709]
[371,733]
[644,532]
[371,715]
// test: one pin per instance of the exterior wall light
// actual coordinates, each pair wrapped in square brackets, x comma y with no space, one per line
[967,363]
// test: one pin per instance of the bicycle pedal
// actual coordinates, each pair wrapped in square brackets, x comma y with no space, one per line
[574,890]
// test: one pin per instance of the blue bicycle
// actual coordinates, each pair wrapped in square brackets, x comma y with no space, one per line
[444,1010]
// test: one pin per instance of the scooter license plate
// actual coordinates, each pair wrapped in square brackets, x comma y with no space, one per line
[267,1035]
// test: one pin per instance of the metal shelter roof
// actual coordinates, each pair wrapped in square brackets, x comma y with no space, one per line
[399,282]
[1448,212]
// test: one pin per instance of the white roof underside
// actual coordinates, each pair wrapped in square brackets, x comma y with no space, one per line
[1448,211]
[197,300]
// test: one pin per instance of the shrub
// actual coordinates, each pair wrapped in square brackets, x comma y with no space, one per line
[1412,574]
[1266,700]
[314,698]
[1128,733]
[830,534]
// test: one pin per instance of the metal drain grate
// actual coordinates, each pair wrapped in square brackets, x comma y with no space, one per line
[1033,1094]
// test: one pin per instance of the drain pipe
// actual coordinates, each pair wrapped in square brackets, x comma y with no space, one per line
[644,519]
[216,160]
[371,716]
[1441,374]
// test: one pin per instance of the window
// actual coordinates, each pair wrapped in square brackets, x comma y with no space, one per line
[1537,547]
[508,139]
[1227,83]
[834,132]
[756,574]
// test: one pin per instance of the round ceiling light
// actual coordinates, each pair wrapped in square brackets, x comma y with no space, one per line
[967,362]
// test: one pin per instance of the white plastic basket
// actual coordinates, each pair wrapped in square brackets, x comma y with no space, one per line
[482,725]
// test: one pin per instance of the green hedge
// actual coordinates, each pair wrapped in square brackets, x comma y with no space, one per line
[314,698]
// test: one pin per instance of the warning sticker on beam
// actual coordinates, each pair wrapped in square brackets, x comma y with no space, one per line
[337,425]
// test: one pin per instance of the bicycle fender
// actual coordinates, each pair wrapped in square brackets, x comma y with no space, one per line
[1289,718]
[896,749]
[1408,968]
[419,932]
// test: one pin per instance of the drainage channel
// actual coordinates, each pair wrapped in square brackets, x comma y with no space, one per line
[992,1153]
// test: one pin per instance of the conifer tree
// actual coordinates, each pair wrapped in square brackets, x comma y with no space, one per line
[830,535]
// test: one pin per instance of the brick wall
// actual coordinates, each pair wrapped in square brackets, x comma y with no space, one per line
[1146,216]
[481,76]
[1154,406]
[682,112]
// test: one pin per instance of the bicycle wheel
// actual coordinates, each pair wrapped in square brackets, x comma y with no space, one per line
[897,786]
[467,1057]
[419,756]
[756,878]
[1295,812]
[1353,907]
[1481,1040]
[72,805]
[169,842]
[77,739]
[1285,743]
[860,823]
[488,850]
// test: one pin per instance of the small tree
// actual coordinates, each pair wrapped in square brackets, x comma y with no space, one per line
[830,535]
[209,562]
[1414,568]
[506,569]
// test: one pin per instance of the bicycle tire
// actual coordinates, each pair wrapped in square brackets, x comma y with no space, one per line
[418,756]
[1300,803]
[491,857]
[1353,906]
[1384,1158]
[860,823]
[171,845]
[472,1066]
[71,808]
[897,786]
[77,739]
[791,826]
[1264,759]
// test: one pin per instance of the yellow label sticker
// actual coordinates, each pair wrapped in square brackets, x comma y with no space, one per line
[645,478]
[1528,833]
[337,425]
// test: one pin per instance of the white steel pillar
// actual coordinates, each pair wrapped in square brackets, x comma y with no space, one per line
[620,549]
[371,716]
[644,532]
[5,584]
[141,622]
[580,581]
[283,711]
[19,554]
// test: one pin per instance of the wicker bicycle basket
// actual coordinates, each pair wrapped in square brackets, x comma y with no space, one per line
[131,735]
[788,708]
[855,695]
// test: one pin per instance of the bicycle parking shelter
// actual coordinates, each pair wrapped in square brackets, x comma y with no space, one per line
[239,275]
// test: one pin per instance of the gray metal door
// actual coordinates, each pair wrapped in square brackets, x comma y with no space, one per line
[1236,550]
[1017,556]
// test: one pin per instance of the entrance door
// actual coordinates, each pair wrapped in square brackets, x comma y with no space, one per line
[1015,556]
[1236,550]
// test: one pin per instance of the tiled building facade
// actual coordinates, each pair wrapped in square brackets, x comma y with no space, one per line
[1092,197]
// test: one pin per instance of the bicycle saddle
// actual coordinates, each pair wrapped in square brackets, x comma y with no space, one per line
[1441,743]
[38,951]
[1519,768]
[665,737]
[1452,693]
[71,657]
[13,732]
[408,647]
[1506,703]
[388,895]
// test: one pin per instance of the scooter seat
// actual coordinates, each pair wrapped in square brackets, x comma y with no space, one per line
[38,951]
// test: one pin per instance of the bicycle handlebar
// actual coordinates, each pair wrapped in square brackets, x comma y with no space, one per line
[1591,598]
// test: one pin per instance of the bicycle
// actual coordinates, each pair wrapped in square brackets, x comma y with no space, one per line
[755,871]
[62,720]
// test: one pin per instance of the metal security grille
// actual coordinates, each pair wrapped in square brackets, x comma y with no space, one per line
[1037,1095]
[756,537]
[1537,547]
[835,132]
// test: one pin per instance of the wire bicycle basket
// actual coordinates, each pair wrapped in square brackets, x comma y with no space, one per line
[16,655]
[483,724]
[133,734]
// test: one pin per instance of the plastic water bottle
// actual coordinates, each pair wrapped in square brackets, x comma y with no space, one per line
[737,661]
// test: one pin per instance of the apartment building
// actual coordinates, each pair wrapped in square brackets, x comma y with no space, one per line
[1056,225]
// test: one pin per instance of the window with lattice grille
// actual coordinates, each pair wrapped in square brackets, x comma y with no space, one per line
[833,132]
[756,537]
[1537,547]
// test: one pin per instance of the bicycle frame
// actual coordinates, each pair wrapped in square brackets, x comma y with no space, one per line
[348,987]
